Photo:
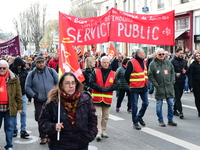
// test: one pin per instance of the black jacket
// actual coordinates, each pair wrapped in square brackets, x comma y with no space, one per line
[87,72]
[194,75]
[21,73]
[73,138]
[179,64]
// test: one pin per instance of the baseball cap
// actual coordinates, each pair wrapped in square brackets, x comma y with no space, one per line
[39,58]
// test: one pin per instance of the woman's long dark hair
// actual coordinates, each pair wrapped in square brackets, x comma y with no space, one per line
[53,94]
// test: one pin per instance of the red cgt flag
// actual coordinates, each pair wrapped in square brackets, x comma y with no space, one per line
[68,61]
[112,51]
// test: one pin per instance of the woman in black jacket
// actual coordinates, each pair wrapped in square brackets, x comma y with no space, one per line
[194,80]
[78,124]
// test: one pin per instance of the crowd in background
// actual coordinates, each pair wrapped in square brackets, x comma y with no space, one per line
[103,76]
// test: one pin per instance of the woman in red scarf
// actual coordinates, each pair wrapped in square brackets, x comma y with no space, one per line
[78,124]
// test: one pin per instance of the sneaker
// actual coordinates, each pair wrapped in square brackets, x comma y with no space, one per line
[104,135]
[129,110]
[141,121]
[15,133]
[117,109]
[185,92]
[24,134]
[43,141]
[137,127]
[162,124]
[172,123]
[98,137]
[9,148]
[181,116]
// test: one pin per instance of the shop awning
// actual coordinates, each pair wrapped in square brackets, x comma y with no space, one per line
[178,33]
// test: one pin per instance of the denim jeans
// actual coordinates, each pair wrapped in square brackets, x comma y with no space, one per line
[8,127]
[150,87]
[186,83]
[134,102]
[22,115]
[54,148]
[159,103]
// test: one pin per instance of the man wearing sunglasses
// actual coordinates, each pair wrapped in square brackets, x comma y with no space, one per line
[10,101]
[162,76]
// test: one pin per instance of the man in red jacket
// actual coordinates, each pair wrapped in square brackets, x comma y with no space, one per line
[54,61]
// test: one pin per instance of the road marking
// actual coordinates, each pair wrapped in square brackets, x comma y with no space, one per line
[115,118]
[187,106]
[31,139]
[92,147]
[171,139]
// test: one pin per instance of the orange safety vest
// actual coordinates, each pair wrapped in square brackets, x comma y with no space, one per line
[99,96]
[138,77]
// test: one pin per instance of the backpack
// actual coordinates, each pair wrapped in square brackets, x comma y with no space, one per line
[33,72]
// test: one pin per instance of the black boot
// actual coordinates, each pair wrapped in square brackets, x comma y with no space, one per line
[24,134]
[15,133]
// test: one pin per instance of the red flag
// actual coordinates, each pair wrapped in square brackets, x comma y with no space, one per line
[68,61]
[112,51]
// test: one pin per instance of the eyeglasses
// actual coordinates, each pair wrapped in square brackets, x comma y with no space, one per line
[162,54]
[4,68]
[70,83]
[197,56]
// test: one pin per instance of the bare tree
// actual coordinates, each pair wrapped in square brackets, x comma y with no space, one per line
[37,14]
[84,10]
[22,28]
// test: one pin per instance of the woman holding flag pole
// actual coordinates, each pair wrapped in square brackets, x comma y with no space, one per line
[78,121]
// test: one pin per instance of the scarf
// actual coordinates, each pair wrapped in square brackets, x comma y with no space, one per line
[3,89]
[70,104]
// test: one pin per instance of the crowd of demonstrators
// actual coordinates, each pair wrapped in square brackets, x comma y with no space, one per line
[123,87]
[18,67]
[162,76]
[194,80]
[180,68]
[10,101]
[38,84]
[78,126]
[136,77]
[103,83]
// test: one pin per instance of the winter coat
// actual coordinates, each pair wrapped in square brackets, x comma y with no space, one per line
[14,94]
[87,72]
[194,75]
[162,76]
[115,64]
[71,137]
[123,85]
[21,73]
[179,64]
[39,84]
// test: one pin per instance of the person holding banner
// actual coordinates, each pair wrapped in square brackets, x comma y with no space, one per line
[103,83]
[78,120]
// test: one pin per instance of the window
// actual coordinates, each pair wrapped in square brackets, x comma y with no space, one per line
[184,1]
[160,4]
[182,24]
[197,25]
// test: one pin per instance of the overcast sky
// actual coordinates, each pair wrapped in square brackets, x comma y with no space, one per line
[10,9]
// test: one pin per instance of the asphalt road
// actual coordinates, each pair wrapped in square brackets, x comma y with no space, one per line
[122,136]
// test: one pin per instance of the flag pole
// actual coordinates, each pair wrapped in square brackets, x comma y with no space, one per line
[58,133]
